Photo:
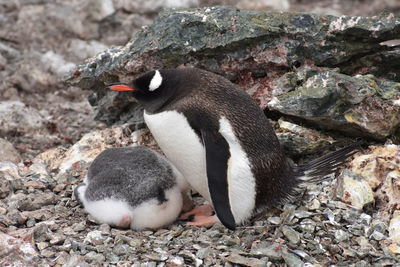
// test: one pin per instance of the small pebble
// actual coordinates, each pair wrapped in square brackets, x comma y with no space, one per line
[105,229]
[291,259]
[95,237]
[302,214]
[314,204]
[292,235]
[272,251]
[57,239]
[94,258]
[122,249]
[377,236]
[274,220]
[341,235]
[79,227]
[246,261]
[42,245]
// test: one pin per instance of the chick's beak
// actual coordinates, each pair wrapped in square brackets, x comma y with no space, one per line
[121,87]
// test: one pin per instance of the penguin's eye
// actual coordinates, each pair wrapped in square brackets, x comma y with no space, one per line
[155,81]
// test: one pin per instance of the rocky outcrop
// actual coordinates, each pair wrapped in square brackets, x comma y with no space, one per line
[360,105]
[278,57]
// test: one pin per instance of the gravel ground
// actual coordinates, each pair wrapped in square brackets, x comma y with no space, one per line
[318,229]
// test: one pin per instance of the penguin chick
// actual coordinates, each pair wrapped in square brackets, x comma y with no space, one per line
[132,187]
[222,143]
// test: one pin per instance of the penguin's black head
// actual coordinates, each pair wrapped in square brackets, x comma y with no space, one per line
[153,88]
[149,84]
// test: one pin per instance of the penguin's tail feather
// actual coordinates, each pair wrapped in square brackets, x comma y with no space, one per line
[318,169]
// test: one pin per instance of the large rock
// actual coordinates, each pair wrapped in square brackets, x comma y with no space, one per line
[361,105]
[254,50]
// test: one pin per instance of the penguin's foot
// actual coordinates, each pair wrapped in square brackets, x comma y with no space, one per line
[204,221]
[187,202]
[203,211]
[125,222]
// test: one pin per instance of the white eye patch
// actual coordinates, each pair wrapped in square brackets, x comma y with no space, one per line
[155,81]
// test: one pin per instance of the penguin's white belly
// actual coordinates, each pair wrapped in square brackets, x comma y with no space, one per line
[181,146]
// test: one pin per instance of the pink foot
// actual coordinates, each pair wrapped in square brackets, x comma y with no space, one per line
[203,210]
[204,221]
[125,222]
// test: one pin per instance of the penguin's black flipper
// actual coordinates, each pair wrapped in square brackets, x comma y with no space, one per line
[217,156]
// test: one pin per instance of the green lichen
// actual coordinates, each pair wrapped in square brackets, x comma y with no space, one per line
[388,90]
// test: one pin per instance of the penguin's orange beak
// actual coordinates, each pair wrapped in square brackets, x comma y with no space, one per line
[121,87]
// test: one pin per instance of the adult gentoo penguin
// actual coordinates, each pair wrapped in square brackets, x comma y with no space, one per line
[132,187]
[222,143]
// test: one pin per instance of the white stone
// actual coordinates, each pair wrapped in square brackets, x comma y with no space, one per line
[137,135]
[94,237]
[394,228]
[355,190]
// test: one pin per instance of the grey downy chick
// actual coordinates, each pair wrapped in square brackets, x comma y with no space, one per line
[132,187]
